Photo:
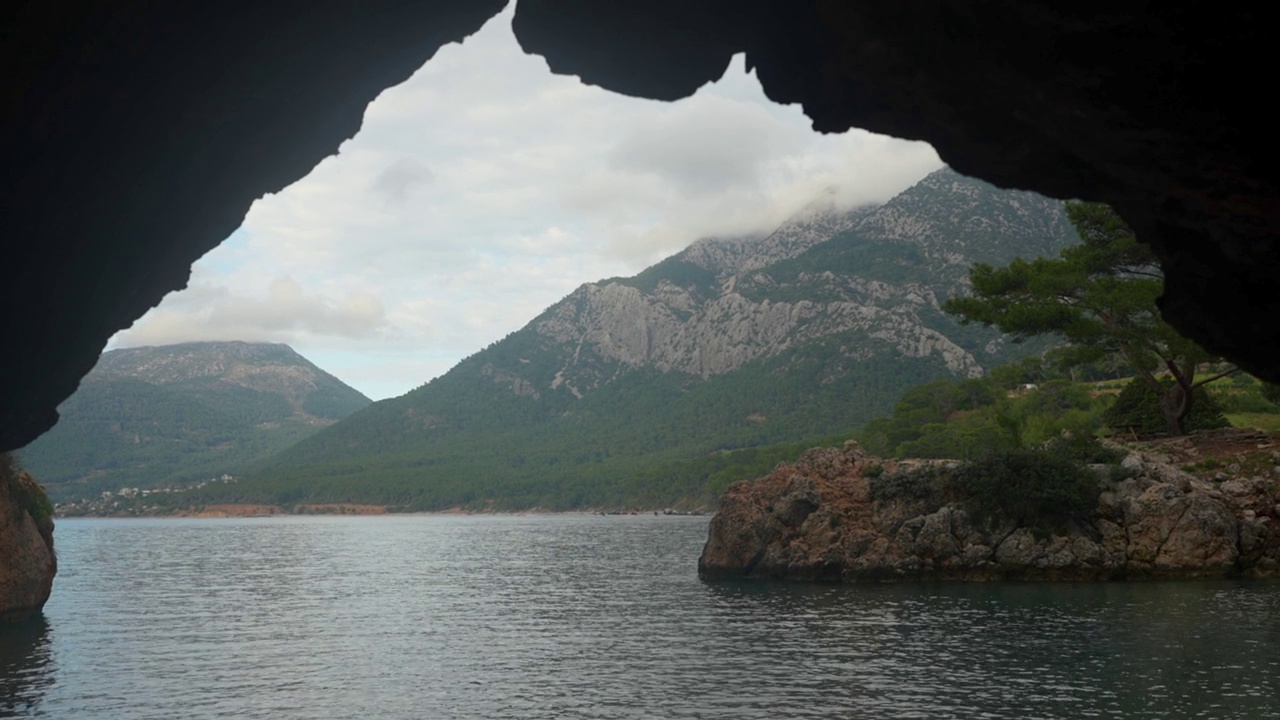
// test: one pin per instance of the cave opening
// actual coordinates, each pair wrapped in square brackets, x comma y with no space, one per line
[138,136]
[485,188]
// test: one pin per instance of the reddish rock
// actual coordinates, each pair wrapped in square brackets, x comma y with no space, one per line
[27,562]
[817,520]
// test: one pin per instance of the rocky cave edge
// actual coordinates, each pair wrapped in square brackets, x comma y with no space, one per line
[137,135]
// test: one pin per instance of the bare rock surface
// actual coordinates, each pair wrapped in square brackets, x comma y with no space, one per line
[27,562]
[817,520]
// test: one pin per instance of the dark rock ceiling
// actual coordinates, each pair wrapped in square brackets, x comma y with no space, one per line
[136,135]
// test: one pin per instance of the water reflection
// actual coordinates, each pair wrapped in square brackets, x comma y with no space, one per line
[26,666]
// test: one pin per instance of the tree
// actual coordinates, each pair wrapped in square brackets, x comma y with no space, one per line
[1101,296]
[1138,411]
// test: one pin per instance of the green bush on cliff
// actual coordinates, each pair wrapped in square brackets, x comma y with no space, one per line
[28,495]
[1038,488]
[926,482]
[1083,448]
[1042,488]
[967,418]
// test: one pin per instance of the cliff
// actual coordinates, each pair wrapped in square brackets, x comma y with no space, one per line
[872,277]
[27,561]
[820,519]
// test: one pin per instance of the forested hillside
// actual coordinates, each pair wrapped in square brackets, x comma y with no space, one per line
[152,416]
[628,390]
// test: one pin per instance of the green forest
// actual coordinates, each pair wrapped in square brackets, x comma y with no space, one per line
[658,440]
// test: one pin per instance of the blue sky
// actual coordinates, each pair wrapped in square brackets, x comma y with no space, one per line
[483,190]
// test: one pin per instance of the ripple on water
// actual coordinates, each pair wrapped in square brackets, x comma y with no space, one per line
[594,617]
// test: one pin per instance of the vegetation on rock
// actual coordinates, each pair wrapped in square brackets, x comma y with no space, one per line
[27,494]
[1042,487]
[1101,296]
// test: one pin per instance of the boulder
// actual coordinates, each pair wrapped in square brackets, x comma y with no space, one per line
[27,561]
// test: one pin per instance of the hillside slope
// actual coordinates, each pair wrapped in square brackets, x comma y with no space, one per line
[622,391]
[150,416]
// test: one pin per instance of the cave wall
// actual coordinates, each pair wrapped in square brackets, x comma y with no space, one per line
[137,134]
[1135,104]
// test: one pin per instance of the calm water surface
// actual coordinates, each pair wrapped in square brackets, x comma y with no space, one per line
[594,617]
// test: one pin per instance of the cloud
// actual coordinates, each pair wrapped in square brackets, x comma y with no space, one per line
[484,189]
[284,313]
[705,148]
[399,177]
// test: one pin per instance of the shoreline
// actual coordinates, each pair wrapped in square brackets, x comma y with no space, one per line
[223,512]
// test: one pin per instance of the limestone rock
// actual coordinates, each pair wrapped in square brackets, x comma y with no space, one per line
[725,302]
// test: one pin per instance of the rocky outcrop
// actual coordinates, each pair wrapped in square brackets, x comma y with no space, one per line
[724,303]
[27,562]
[817,520]
[621,324]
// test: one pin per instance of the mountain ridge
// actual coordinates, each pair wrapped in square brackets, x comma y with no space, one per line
[729,344]
[169,414]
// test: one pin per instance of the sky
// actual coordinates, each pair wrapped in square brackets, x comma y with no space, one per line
[484,189]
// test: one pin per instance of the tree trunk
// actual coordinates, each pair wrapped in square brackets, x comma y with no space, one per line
[1171,402]
[1184,382]
[1175,404]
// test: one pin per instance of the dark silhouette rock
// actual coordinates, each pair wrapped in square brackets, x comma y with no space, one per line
[137,135]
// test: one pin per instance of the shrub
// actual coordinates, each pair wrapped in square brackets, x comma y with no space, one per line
[1138,409]
[919,483]
[1035,488]
[1083,448]
[1271,392]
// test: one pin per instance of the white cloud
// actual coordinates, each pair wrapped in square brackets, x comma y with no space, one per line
[484,189]
[395,182]
[283,313]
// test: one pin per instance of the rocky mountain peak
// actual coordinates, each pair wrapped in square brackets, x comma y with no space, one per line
[875,275]
[817,222]
[263,367]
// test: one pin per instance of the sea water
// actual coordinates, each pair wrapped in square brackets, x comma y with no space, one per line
[582,616]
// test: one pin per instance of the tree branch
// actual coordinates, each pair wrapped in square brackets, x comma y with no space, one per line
[1219,376]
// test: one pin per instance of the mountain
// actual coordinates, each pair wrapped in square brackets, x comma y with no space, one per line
[174,414]
[637,390]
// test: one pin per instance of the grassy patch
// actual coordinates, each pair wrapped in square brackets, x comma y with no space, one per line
[1255,420]
[1203,466]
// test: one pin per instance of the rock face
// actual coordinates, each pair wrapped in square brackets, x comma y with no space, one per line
[817,520]
[27,562]
[878,271]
